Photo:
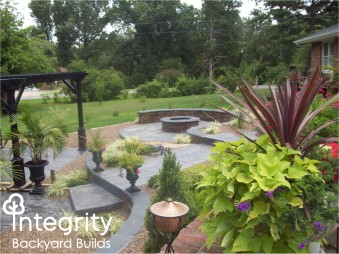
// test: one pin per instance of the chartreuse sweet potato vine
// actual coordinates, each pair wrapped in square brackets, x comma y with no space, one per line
[255,200]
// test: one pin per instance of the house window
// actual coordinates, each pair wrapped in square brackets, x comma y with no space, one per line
[328,55]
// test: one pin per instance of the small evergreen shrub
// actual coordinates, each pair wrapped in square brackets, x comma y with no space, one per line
[171,185]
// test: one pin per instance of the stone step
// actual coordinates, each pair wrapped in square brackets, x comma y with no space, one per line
[91,198]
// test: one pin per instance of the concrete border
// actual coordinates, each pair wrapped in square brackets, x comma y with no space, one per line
[138,201]
[199,138]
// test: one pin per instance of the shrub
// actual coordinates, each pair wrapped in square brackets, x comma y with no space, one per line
[171,185]
[168,76]
[188,86]
[151,89]
[276,74]
[110,81]
[327,114]
[192,177]
[172,63]
[229,79]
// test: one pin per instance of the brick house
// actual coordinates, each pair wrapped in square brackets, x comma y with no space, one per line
[324,47]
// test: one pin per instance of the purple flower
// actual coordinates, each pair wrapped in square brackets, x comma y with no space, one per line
[243,206]
[269,194]
[319,226]
[301,246]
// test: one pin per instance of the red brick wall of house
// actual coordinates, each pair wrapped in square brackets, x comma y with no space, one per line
[316,55]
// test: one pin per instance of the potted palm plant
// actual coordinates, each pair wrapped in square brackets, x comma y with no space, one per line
[39,136]
[97,146]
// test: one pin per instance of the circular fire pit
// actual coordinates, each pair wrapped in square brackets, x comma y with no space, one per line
[179,123]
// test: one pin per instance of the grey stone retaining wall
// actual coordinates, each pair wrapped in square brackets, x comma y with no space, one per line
[151,116]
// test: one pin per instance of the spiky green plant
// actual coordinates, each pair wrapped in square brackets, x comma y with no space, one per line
[285,118]
[56,189]
[97,142]
[115,222]
[8,173]
[182,139]
[213,128]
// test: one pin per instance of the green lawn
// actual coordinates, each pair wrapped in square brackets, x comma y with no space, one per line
[112,112]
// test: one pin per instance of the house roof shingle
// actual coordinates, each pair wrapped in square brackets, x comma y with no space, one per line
[326,33]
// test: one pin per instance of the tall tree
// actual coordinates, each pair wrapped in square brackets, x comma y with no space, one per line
[90,19]
[42,12]
[63,18]
[80,23]
[21,53]
[222,25]
[296,16]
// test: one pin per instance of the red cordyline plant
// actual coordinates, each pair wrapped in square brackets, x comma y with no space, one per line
[288,113]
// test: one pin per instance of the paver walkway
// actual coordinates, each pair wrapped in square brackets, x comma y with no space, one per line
[186,157]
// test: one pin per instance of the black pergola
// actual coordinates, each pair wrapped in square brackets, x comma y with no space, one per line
[11,83]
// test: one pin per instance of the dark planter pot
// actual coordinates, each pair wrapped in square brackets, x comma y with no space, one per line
[97,159]
[37,175]
[132,178]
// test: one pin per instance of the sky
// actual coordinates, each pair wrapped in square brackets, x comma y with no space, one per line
[22,7]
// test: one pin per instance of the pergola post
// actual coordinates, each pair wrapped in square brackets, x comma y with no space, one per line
[17,162]
[81,130]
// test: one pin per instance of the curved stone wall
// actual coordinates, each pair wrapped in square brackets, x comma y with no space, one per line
[208,115]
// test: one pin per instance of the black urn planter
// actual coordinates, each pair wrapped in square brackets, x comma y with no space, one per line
[37,175]
[97,159]
[132,178]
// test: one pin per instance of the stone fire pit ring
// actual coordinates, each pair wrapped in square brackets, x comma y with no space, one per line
[179,123]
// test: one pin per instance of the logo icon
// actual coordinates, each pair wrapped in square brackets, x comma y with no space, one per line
[12,204]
